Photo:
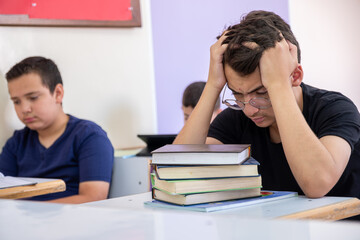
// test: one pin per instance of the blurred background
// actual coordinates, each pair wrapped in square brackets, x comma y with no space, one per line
[130,80]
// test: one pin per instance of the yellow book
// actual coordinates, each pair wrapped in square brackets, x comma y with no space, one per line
[205,185]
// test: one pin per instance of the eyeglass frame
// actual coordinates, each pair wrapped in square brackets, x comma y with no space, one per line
[224,101]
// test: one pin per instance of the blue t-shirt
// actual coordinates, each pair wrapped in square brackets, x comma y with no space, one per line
[82,153]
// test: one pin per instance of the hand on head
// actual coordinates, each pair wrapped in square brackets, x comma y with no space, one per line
[216,72]
[278,64]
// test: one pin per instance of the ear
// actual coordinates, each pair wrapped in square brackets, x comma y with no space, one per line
[59,93]
[297,76]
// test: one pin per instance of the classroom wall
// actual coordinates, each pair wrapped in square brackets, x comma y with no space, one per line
[183,32]
[108,75]
[328,32]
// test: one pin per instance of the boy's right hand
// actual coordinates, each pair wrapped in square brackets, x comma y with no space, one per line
[217,77]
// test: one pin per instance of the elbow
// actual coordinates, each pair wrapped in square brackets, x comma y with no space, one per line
[94,197]
[314,194]
[100,196]
[317,188]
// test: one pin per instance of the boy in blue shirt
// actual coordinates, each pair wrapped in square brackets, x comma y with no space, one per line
[54,144]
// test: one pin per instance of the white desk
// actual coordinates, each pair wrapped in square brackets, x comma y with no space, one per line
[34,220]
[326,208]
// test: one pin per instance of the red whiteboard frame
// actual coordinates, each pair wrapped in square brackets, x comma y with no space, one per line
[24,20]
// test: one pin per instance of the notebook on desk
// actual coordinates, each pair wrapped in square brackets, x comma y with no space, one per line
[8,182]
[154,141]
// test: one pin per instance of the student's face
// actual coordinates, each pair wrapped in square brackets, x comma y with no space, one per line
[187,111]
[247,87]
[35,106]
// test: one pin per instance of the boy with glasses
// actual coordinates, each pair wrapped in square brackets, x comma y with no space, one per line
[306,139]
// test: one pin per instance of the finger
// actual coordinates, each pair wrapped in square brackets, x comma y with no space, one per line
[223,36]
[293,50]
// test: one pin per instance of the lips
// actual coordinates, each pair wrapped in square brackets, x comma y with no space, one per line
[258,119]
[29,119]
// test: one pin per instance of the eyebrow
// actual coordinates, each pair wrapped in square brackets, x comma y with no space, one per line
[26,95]
[254,90]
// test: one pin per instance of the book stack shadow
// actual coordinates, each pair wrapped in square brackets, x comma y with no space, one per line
[191,174]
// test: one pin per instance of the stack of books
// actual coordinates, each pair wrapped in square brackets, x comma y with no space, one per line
[199,173]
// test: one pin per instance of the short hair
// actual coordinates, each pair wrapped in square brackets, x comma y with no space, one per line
[192,95]
[260,27]
[46,68]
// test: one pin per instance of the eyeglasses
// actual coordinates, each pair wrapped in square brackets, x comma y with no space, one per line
[257,102]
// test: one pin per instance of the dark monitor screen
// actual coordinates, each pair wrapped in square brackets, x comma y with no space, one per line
[154,141]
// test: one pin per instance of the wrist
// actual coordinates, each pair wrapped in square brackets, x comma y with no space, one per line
[275,87]
[214,88]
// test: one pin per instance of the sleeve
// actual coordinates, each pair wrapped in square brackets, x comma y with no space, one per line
[8,160]
[225,127]
[96,157]
[340,118]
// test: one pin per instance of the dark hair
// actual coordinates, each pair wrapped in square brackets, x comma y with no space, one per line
[46,68]
[192,95]
[261,30]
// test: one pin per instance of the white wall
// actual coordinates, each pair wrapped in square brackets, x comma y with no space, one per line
[107,72]
[328,32]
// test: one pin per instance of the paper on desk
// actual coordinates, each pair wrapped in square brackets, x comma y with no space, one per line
[8,181]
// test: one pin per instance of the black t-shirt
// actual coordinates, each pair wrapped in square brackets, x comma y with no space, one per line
[327,113]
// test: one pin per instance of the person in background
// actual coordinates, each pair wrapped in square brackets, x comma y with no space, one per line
[54,144]
[306,139]
[191,97]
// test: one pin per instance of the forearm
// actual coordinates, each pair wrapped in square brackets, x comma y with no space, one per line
[197,126]
[312,165]
[88,191]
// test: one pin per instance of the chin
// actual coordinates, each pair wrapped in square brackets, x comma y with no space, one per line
[33,126]
[264,124]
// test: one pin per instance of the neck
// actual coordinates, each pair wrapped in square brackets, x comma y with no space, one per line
[49,135]
[274,133]
[299,97]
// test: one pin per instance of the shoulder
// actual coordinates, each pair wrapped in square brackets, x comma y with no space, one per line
[228,126]
[20,140]
[22,135]
[322,96]
[229,118]
[320,101]
[84,127]
[83,133]
[331,113]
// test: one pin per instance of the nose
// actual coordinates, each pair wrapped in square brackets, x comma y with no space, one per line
[25,107]
[249,110]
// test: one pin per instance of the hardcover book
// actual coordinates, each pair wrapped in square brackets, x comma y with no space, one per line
[196,198]
[173,172]
[205,185]
[201,154]
[266,196]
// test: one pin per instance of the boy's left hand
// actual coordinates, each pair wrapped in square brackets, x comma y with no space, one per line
[278,63]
